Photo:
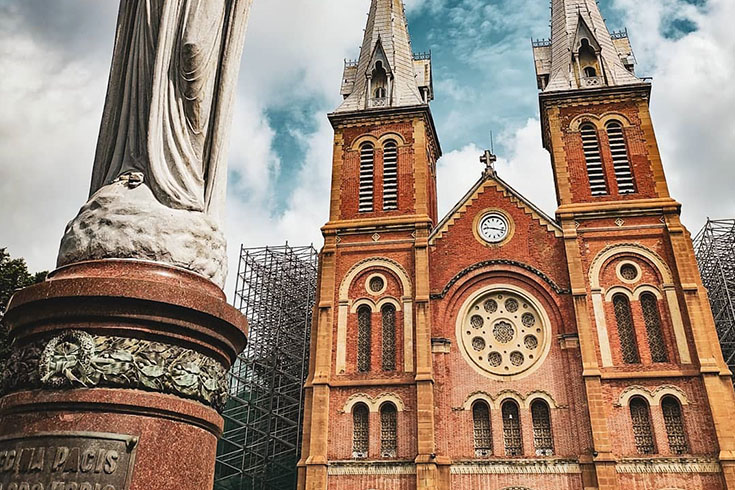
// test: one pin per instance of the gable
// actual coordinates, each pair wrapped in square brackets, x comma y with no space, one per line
[533,239]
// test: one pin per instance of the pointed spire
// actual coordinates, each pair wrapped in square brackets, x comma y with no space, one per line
[386,74]
[582,53]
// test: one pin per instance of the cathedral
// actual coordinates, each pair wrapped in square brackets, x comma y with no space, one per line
[498,347]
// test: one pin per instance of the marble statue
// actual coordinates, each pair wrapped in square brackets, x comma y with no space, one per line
[159,176]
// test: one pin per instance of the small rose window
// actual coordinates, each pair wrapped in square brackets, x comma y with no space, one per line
[503,333]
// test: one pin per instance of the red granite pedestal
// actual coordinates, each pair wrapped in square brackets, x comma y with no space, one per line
[117,372]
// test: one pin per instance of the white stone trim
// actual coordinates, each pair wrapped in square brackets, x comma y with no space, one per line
[618,290]
[373,403]
[647,288]
[653,397]
[363,301]
[388,300]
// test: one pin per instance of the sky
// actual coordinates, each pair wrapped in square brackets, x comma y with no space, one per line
[54,64]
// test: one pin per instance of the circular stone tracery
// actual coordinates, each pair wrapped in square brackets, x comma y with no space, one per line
[516,334]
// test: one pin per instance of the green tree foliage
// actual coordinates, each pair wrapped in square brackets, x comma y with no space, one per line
[14,275]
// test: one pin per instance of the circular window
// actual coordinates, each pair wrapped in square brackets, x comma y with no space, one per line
[375,284]
[628,272]
[503,332]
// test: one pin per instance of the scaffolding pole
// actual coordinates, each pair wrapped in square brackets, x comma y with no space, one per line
[275,290]
[715,249]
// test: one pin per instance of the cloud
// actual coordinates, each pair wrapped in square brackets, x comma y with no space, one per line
[693,99]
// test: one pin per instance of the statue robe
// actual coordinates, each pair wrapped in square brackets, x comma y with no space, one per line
[169,103]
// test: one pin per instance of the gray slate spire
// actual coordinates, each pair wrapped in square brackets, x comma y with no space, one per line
[386,74]
[582,53]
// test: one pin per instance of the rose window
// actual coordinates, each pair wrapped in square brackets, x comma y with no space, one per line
[503,333]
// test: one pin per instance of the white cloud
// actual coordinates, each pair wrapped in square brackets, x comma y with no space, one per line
[693,100]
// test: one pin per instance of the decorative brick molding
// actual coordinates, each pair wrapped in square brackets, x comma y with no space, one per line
[669,465]
[486,263]
[348,468]
[518,467]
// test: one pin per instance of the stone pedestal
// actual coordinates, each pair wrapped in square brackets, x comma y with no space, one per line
[115,379]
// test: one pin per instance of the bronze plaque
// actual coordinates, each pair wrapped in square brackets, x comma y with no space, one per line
[67,461]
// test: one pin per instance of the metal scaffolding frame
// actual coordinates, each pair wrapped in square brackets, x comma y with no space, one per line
[275,289]
[715,249]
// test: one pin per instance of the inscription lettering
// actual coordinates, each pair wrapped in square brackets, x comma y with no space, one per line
[66,461]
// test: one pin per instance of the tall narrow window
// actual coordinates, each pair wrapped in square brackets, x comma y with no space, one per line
[626,330]
[652,317]
[543,439]
[363,338]
[360,431]
[642,431]
[390,176]
[595,172]
[482,432]
[621,164]
[512,429]
[388,430]
[367,157]
[389,337]
[674,425]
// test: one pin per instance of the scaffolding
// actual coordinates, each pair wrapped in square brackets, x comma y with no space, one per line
[715,249]
[260,446]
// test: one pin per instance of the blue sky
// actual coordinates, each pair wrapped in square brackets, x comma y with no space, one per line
[56,59]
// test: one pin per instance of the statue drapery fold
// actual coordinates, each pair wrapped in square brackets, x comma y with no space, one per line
[169,102]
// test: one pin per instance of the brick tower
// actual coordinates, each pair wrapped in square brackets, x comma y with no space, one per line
[647,337]
[500,348]
[371,347]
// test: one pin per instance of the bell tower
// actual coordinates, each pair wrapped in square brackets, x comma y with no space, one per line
[642,313]
[371,343]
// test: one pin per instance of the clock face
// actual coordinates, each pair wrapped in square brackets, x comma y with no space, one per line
[493,227]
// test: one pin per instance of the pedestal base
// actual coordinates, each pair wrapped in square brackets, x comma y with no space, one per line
[114,380]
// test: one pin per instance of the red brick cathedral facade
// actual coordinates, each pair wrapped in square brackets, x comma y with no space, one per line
[500,348]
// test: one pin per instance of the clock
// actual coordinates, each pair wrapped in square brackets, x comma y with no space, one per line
[493,227]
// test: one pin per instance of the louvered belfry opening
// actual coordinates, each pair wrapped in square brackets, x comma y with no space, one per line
[621,162]
[652,317]
[626,330]
[483,436]
[360,431]
[512,429]
[674,425]
[389,337]
[363,338]
[642,431]
[390,176]
[388,430]
[543,439]
[595,171]
[367,164]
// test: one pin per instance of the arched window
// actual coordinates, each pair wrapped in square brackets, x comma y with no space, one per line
[543,439]
[652,317]
[360,431]
[642,431]
[621,164]
[389,337]
[482,430]
[367,157]
[390,176]
[590,72]
[512,429]
[595,172]
[626,330]
[380,93]
[388,430]
[674,425]
[364,315]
